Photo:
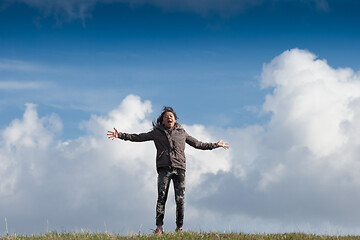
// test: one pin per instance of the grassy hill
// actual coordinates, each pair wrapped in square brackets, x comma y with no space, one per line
[184,235]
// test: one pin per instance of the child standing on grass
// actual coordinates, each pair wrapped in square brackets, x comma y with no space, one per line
[169,138]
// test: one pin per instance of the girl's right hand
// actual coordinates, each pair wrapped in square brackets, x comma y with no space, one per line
[113,135]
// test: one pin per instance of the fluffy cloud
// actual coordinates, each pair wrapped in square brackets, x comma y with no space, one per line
[29,139]
[89,182]
[311,101]
[302,168]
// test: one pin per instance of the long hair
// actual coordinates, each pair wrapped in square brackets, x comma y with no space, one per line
[159,120]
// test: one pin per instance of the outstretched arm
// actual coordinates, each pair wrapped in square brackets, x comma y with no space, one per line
[141,137]
[203,145]
[223,144]
[113,135]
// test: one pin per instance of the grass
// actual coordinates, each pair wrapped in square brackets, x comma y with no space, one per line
[170,236]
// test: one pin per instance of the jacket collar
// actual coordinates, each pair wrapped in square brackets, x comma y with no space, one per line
[163,128]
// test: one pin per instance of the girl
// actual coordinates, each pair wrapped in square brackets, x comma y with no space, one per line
[169,138]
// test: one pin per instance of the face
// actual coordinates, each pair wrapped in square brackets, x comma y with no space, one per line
[169,120]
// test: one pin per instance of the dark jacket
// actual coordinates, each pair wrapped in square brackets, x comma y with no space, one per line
[170,145]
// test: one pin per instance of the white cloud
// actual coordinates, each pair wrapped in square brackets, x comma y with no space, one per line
[25,144]
[302,167]
[31,131]
[91,179]
[311,101]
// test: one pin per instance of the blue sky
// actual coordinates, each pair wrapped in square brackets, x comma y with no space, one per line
[277,79]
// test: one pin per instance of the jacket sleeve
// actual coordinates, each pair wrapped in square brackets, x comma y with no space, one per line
[141,137]
[198,144]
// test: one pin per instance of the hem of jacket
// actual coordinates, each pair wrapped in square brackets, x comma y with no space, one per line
[168,166]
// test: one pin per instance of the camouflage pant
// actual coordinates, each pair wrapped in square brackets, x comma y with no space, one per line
[165,175]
